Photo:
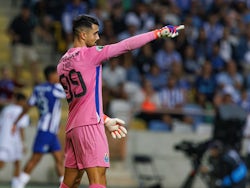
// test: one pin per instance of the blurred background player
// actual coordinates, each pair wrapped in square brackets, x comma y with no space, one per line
[20,31]
[47,98]
[12,145]
[7,87]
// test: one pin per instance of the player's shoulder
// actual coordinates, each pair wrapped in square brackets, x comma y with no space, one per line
[92,49]
[43,87]
[12,108]
[58,91]
[38,85]
[58,86]
[70,56]
[99,48]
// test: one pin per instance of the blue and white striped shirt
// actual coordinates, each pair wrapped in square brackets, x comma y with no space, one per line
[46,97]
[170,98]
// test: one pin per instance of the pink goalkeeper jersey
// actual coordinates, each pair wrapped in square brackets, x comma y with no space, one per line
[80,74]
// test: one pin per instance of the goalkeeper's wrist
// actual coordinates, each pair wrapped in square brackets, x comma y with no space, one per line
[157,33]
[105,118]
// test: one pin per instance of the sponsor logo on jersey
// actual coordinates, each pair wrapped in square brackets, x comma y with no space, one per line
[99,48]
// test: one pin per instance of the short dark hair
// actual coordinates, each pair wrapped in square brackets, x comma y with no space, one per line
[48,70]
[218,145]
[19,96]
[83,21]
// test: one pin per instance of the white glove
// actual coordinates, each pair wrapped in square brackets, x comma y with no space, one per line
[116,127]
[168,31]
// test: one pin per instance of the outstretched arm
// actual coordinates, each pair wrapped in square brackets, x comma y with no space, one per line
[129,44]
[142,39]
[137,41]
[25,110]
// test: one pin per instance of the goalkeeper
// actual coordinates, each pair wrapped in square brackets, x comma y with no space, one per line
[80,69]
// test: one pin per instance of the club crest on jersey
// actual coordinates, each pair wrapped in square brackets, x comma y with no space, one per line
[99,48]
[45,148]
[106,158]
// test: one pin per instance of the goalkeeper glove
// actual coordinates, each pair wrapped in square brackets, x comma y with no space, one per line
[168,31]
[116,127]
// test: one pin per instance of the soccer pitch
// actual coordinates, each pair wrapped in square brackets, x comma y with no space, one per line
[41,185]
[32,185]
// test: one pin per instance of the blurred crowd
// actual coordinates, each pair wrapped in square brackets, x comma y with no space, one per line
[208,60]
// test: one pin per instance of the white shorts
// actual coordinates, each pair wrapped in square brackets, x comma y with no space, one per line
[22,53]
[11,154]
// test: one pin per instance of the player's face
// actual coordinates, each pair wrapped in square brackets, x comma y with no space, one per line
[214,152]
[92,36]
[54,77]
[22,102]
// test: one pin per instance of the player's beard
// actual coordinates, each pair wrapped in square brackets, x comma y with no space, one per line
[90,43]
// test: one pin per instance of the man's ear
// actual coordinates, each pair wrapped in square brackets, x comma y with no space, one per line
[83,35]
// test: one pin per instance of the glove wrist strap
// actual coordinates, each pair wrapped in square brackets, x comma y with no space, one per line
[105,117]
[157,33]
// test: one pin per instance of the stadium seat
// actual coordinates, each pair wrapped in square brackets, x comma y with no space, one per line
[138,124]
[157,125]
[146,172]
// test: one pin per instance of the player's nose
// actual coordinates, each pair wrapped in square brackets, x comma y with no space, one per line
[97,37]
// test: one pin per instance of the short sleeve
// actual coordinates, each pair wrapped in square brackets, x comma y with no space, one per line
[33,99]
[24,121]
[58,91]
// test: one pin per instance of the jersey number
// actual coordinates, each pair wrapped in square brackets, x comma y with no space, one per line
[42,103]
[74,78]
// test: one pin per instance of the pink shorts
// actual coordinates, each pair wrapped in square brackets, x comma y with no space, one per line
[86,147]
